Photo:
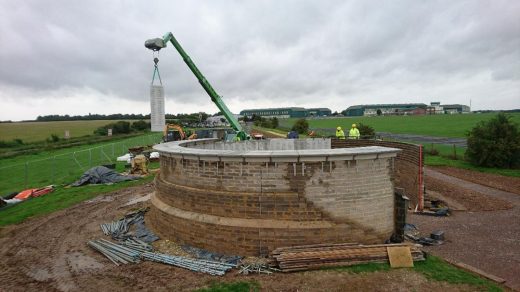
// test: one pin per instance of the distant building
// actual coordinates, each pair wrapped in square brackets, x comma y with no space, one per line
[385,109]
[319,112]
[438,108]
[286,112]
[435,108]
[456,109]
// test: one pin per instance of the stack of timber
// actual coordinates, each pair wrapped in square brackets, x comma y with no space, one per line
[308,257]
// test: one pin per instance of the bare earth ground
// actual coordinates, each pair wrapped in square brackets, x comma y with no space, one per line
[472,200]
[49,253]
[488,240]
[504,183]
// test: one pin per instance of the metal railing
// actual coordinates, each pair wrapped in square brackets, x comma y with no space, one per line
[66,167]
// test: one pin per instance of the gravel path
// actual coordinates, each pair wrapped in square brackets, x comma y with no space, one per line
[459,142]
[513,198]
[488,240]
[415,138]
[495,181]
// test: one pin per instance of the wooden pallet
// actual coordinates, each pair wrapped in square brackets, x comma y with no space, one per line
[299,258]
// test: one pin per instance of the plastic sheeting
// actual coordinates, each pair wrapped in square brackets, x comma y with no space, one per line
[208,255]
[101,175]
[12,201]
[125,158]
[139,230]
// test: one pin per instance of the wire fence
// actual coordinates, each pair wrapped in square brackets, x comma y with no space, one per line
[67,167]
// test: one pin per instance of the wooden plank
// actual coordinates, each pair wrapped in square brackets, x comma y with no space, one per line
[400,256]
[333,246]
[477,271]
[296,247]
[321,255]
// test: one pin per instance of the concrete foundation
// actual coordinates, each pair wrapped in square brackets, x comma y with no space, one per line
[251,197]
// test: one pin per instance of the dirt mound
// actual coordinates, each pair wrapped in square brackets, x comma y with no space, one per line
[500,182]
[471,200]
[49,253]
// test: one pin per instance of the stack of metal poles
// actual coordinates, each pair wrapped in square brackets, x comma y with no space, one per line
[115,228]
[117,253]
[198,265]
[137,244]
[257,268]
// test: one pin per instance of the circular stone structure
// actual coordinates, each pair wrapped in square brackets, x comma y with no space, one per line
[251,197]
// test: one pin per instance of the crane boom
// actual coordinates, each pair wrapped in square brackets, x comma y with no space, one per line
[159,43]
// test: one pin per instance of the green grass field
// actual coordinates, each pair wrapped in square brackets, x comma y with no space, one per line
[61,198]
[435,125]
[429,125]
[63,166]
[39,131]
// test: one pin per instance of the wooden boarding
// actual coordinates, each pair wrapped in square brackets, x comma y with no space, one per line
[400,256]
[299,258]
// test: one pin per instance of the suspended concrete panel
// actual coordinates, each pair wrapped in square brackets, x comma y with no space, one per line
[157,118]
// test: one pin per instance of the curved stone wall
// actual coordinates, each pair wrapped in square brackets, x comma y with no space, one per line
[408,166]
[250,197]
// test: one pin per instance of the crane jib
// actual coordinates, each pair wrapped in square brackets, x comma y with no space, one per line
[157,44]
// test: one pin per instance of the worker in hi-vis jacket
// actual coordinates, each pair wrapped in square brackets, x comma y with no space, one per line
[340,134]
[354,132]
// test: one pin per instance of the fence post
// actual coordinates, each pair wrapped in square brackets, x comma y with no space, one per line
[420,196]
[53,162]
[454,152]
[113,155]
[26,174]
[90,157]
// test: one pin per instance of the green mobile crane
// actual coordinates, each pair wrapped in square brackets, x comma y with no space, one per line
[159,43]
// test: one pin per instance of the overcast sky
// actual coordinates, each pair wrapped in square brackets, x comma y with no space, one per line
[76,57]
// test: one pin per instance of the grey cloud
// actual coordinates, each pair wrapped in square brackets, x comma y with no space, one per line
[308,52]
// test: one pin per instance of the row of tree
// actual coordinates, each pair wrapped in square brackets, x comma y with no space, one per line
[90,117]
[494,143]
[123,127]
[264,122]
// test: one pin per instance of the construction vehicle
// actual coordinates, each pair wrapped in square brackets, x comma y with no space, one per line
[173,132]
[159,43]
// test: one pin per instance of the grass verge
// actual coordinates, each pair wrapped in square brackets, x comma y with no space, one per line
[361,268]
[37,147]
[240,286]
[60,199]
[278,132]
[437,160]
[62,166]
[434,268]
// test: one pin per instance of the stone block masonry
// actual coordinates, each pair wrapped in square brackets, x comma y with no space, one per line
[408,165]
[249,197]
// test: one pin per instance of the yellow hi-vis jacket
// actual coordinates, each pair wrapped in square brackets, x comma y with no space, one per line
[353,133]
[340,134]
